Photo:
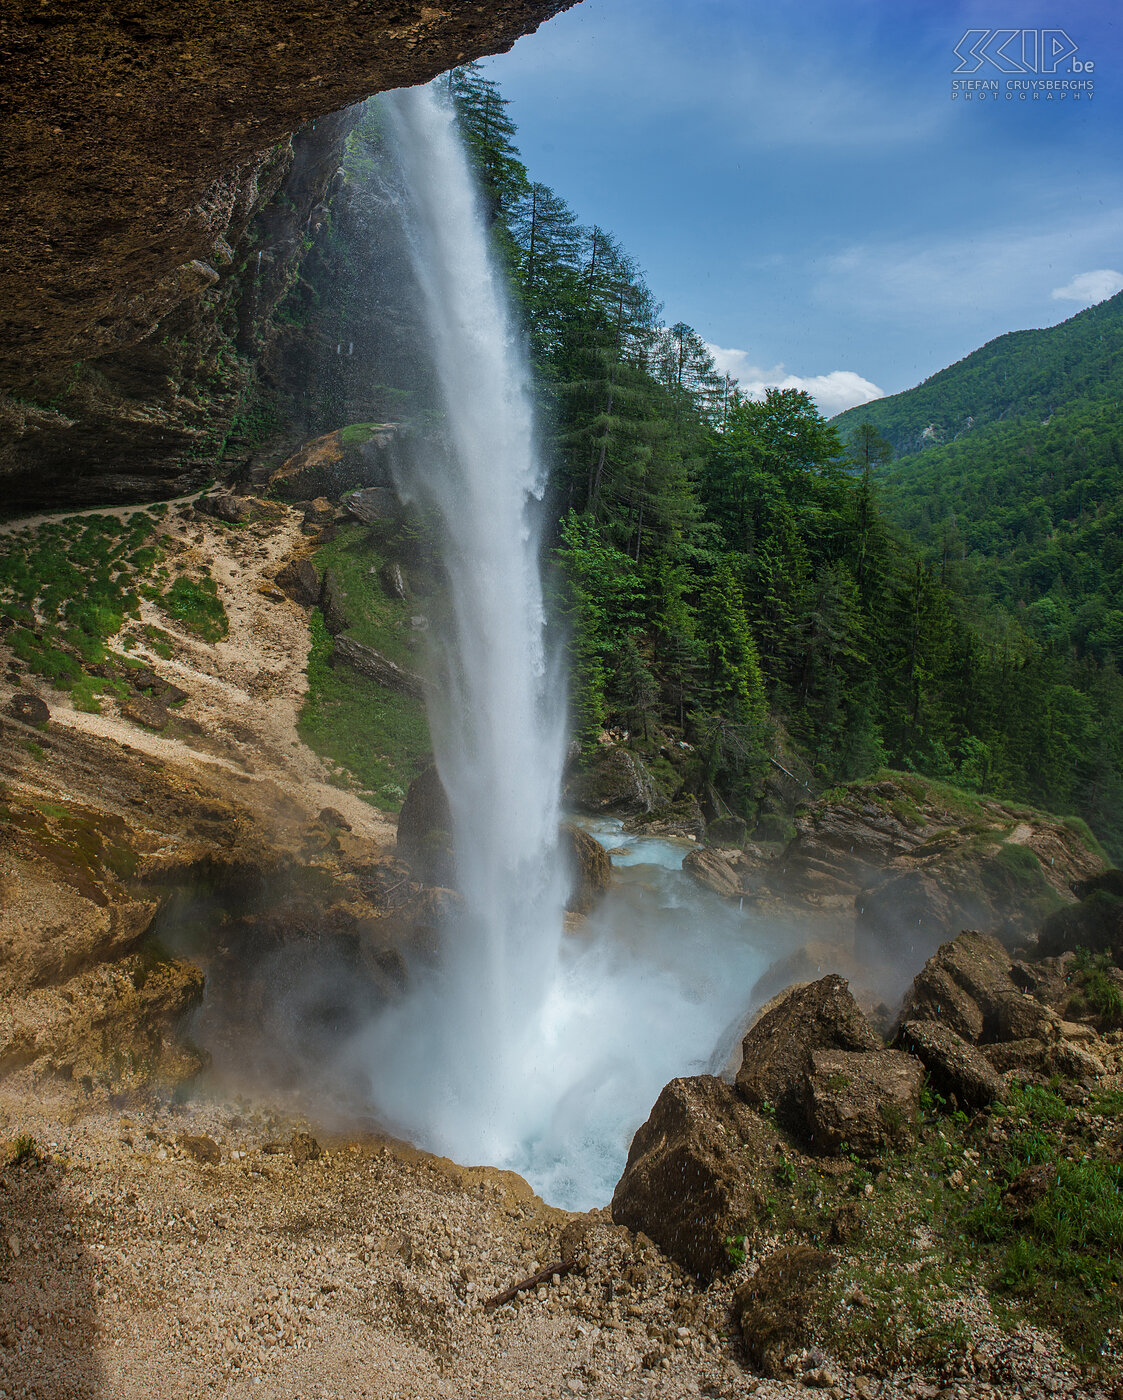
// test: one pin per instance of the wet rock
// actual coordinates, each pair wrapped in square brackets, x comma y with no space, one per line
[772,1307]
[969,986]
[51,928]
[332,604]
[318,512]
[726,873]
[860,1101]
[376,503]
[325,466]
[776,1052]
[955,1066]
[695,1174]
[109,1021]
[615,782]
[589,865]
[393,581]
[376,667]
[299,581]
[28,708]
[425,829]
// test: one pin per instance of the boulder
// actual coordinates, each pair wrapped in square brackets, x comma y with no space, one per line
[696,1173]
[359,455]
[299,581]
[393,581]
[724,872]
[425,829]
[144,711]
[374,504]
[334,819]
[318,512]
[719,871]
[614,783]
[224,505]
[776,1052]
[28,708]
[332,604]
[589,866]
[956,1067]
[772,1306]
[376,667]
[862,1100]
[968,985]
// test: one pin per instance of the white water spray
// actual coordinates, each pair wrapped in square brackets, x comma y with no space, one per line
[450,1066]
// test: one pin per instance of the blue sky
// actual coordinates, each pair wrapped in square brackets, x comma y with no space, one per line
[799,185]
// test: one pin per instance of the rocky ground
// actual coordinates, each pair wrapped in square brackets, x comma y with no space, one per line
[911,1202]
[215,1249]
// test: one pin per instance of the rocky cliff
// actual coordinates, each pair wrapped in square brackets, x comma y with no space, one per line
[135,264]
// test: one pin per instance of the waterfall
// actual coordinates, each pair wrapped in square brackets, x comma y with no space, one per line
[452,1065]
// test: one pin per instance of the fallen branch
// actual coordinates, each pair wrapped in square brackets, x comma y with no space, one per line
[563,1266]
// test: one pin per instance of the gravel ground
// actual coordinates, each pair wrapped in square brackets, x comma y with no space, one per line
[161,1250]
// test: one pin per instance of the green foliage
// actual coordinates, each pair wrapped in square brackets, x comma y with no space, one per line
[377,739]
[196,604]
[735,1250]
[24,1149]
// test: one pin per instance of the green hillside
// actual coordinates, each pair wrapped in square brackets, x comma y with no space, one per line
[1020,379]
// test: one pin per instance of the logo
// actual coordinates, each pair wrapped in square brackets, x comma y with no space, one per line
[1019,51]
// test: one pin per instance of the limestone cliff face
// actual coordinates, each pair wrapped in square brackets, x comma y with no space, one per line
[142,143]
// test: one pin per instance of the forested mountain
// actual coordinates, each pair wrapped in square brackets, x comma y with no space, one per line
[1021,378]
[724,567]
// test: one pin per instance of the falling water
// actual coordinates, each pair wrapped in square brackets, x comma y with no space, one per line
[450,1066]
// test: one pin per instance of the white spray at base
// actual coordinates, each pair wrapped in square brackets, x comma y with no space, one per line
[520,1049]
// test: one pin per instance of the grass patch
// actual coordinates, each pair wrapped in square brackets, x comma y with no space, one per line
[379,737]
[355,434]
[69,585]
[195,603]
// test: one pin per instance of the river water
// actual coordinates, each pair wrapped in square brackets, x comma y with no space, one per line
[654,984]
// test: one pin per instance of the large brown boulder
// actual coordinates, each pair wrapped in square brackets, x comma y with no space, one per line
[299,581]
[615,782]
[728,873]
[968,985]
[589,866]
[777,1050]
[862,1100]
[360,455]
[425,829]
[956,1068]
[695,1175]
[772,1306]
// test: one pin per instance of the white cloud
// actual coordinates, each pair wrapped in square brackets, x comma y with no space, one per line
[833,392]
[1087,288]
